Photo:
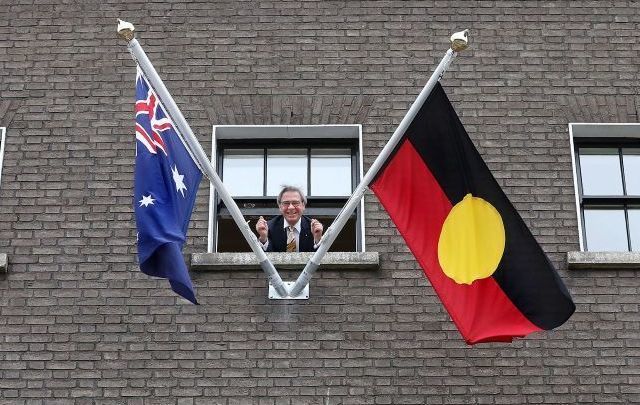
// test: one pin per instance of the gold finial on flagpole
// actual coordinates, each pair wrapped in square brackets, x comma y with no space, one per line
[460,41]
[125,30]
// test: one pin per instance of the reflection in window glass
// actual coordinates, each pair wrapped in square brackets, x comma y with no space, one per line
[330,172]
[631,160]
[286,166]
[634,228]
[243,172]
[600,171]
[606,230]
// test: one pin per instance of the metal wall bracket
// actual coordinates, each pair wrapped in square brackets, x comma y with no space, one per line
[304,294]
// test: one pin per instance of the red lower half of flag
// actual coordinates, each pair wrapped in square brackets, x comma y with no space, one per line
[482,310]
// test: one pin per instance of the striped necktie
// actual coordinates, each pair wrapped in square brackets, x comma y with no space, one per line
[291,239]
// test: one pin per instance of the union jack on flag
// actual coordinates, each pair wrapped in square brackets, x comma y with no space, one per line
[149,109]
[165,186]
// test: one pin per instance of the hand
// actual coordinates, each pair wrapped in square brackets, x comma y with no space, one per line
[316,230]
[262,229]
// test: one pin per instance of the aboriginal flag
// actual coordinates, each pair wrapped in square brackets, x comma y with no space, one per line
[480,257]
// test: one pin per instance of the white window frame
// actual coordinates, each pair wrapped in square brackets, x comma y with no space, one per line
[258,132]
[3,134]
[587,130]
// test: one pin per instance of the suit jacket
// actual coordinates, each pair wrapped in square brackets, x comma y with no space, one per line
[278,235]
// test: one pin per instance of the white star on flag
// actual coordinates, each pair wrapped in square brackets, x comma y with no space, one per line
[177,178]
[146,200]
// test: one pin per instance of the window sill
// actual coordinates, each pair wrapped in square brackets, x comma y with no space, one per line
[3,263]
[603,260]
[285,261]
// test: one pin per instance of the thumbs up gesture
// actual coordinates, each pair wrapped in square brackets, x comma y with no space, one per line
[316,230]
[262,229]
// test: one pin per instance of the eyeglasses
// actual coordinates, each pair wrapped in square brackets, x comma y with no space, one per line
[295,204]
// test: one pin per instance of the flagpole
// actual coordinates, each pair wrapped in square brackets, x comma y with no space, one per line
[125,31]
[459,42]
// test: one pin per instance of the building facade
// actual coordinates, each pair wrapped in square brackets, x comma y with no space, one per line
[548,92]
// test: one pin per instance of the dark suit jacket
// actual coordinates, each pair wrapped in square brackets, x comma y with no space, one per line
[278,235]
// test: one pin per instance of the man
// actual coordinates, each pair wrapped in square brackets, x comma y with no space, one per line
[291,231]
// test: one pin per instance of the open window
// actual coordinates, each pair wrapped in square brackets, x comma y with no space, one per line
[254,162]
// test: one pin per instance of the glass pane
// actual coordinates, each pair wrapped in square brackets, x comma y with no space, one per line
[631,159]
[286,166]
[330,172]
[634,228]
[243,172]
[600,171]
[606,230]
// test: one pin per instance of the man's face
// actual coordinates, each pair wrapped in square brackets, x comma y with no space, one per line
[291,206]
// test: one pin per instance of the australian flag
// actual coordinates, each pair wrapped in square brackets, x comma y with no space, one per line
[166,182]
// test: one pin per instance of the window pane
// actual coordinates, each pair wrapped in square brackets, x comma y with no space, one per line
[605,230]
[631,159]
[634,228]
[243,172]
[286,166]
[600,171]
[330,172]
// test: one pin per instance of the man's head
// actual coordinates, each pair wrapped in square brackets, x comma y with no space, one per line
[291,201]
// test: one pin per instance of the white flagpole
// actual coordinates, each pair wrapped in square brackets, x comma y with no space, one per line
[125,31]
[459,42]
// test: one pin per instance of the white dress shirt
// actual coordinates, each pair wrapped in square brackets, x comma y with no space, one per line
[296,231]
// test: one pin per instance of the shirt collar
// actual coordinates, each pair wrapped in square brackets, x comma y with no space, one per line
[297,226]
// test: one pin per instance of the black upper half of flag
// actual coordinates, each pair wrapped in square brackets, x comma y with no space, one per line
[525,273]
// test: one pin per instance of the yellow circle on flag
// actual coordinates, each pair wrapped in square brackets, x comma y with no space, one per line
[472,240]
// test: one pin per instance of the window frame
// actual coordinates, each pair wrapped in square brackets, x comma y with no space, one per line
[609,135]
[303,136]
[299,144]
[3,135]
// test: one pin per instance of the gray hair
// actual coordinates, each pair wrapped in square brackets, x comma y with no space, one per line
[286,188]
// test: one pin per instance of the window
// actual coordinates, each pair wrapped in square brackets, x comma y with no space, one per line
[325,161]
[606,161]
[3,132]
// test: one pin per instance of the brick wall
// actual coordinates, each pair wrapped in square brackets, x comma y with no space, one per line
[79,323]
